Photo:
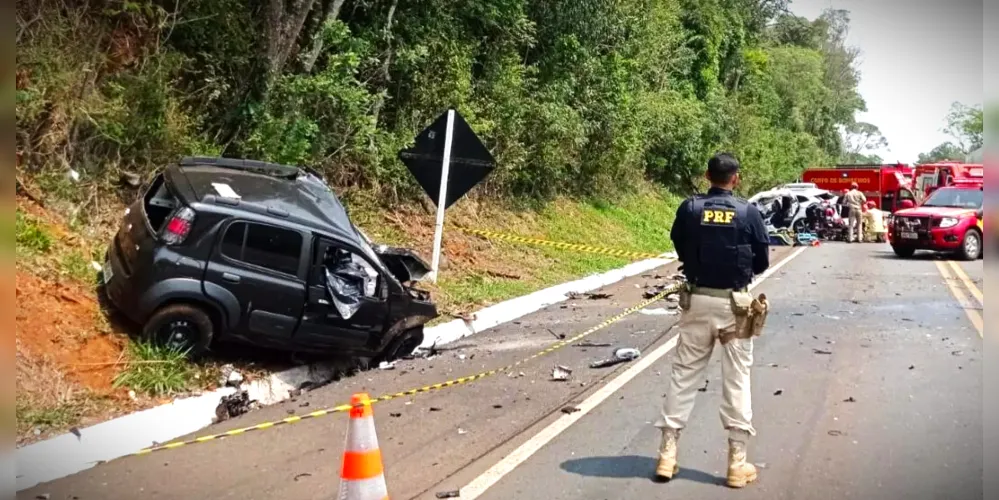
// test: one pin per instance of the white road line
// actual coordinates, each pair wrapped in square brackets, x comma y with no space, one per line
[962,299]
[970,285]
[487,479]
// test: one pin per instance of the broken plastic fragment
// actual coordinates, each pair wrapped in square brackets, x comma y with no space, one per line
[561,373]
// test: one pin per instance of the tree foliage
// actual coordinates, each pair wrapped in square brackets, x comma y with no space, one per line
[966,125]
[578,97]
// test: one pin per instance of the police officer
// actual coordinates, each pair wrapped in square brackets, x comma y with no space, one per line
[722,243]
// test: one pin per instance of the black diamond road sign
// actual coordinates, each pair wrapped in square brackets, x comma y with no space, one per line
[470,160]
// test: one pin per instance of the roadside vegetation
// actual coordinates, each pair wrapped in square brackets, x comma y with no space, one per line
[601,116]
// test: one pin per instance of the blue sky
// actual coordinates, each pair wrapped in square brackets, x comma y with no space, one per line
[918,56]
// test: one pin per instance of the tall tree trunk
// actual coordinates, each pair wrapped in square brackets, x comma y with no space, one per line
[386,76]
[284,20]
[333,12]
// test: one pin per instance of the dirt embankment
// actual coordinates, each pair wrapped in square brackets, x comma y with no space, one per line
[67,352]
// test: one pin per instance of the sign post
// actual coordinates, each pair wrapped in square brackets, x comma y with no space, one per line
[442,198]
[447,160]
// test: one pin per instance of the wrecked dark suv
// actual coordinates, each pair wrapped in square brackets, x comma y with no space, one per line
[221,249]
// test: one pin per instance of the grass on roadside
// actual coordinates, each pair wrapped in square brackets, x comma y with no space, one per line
[502,270]
[30,236]
[45,417]
[156,370]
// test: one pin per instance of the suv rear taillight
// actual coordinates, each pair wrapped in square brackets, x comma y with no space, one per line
[178,226]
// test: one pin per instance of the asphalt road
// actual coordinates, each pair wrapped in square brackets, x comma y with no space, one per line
[893,411]
[913,432]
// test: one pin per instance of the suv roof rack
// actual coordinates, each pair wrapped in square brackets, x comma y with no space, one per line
[241,164]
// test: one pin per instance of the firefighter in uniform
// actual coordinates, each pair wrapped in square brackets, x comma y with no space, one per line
[722,243]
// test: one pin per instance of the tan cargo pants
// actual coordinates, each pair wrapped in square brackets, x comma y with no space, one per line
[699,329]
[856,226]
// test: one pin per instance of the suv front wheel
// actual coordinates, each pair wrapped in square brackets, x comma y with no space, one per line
[971,245]
[183,327]
[403,345]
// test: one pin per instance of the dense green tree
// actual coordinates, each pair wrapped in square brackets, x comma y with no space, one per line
[578,97]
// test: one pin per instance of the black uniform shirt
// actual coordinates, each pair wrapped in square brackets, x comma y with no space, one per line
[710,253]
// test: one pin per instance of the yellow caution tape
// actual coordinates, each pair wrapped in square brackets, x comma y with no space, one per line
[421,390]
[490,235]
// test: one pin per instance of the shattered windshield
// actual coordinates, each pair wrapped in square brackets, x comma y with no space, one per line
[955,198]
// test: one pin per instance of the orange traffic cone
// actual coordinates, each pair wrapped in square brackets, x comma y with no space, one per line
[362,476]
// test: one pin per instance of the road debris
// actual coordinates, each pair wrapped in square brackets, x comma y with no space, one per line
[559,336]
[434,408]
[957,353]
[778,392]
[385,365]
[561,373]
[592,344]
[230,377]
[300,476]
[448,494]
[850,400]
[622,355]
[912,367]
[820,351]
[497,407]
[772,365]
[462,432]
[232,405]
[569,410]
[653,291]
[835,433]
[587,296]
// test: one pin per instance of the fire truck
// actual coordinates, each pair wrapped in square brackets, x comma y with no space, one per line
[930,176]
[886,185]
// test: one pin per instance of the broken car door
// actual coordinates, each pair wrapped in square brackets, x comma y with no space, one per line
[261,265]
[347,302]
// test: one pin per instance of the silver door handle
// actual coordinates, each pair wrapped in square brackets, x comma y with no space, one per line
[231,278]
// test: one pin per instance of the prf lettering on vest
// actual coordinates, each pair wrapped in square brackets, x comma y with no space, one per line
[714,217]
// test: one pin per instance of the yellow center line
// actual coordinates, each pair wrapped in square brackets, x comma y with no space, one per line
[970,285]
[969,309]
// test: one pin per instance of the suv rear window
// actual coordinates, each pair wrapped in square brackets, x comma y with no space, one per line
[265,246]
[159,203]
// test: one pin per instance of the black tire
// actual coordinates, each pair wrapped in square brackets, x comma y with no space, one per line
[971,245]
[403,345]
[903,252]
[184,326]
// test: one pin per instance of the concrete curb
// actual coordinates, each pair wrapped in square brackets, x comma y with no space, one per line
[68,454]
[527,304]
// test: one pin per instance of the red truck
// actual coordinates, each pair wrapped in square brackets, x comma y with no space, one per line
[886,185]
[950,219]
[930,176]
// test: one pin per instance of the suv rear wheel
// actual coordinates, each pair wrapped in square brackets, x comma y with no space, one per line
[184,327]
[904,252]
[971,245]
